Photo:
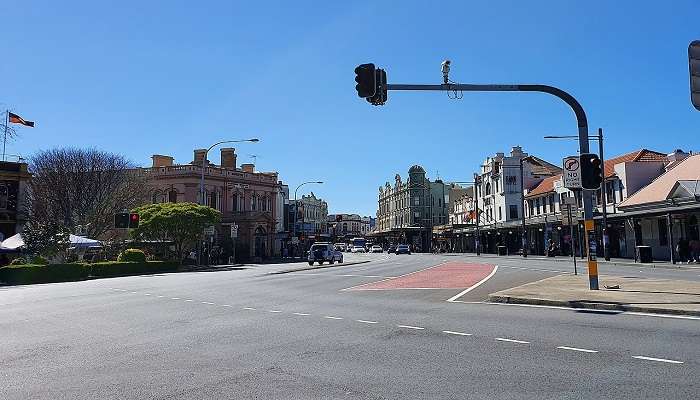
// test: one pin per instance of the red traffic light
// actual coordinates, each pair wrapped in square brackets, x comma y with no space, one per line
[133,220]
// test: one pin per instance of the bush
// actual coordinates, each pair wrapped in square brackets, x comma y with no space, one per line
[118,268]
[132,255]
[36,273]
[39,260]
[18,261]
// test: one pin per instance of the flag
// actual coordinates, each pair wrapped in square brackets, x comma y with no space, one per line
[16,119]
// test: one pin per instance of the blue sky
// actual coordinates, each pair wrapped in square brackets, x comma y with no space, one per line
[167,77]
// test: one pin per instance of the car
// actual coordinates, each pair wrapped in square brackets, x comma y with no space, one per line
[392,249]
[340,246]
[377,249]
[358,249]
[322,252]
[403,249]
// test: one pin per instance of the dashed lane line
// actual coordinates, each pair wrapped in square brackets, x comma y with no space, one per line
[301,314]
[664,360]
[249,308]
[457,333]
[331,317]
[364,321]
[274,311]
[500,339]
[411,327]
[189,300]
[577,349]
[174,298]
[206,302]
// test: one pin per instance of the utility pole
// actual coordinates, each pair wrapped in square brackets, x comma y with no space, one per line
[522,205]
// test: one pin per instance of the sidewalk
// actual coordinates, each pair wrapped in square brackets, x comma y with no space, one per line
[661,296]
[601,261]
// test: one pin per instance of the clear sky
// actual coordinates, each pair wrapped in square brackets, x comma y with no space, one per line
[165,77]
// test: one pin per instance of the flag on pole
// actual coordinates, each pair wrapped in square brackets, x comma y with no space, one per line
[16,119]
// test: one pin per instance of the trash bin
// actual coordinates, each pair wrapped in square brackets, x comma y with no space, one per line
[502,250]
[644,254]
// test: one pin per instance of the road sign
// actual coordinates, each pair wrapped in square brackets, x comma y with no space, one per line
[234,231]
[572,173]
[209,230]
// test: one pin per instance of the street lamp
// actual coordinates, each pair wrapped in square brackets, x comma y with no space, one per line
[204,160]
[603,194]
[294,227]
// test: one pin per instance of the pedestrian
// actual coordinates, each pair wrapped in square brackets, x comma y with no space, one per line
[695,251]
[683,249]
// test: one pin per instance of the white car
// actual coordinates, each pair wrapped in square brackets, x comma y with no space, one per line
[377,249]
[324,252]
[358,249]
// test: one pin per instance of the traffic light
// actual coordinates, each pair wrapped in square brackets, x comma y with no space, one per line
[591,171]
[133,220]
[121,220]
[380,92]
[365,76]
[694,66]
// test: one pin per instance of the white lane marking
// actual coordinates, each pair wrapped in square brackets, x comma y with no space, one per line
[635,313]
[189,300]
[364,321]
[331,317]
[301,314]
[274,311]
[134,292]
[146,294]
[226,305]
[474,286]
[249,308]
[206,302]
[161,296]
[657,359]
[457,333]
[174,298]
[410,327]
[577,349]
[511,340]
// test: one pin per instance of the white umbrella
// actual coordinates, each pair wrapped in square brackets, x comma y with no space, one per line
[15,242]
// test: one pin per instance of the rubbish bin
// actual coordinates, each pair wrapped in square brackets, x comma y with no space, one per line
[502,250]
[644,254]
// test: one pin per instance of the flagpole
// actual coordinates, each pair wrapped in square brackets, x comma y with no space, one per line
[4,140]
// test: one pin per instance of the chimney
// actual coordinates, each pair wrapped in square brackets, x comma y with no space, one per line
[228,158]
[248,168]
[199,156]
[161,161]
[516,151]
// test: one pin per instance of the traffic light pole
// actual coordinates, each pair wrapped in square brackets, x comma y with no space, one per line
[582,122]
[604,199]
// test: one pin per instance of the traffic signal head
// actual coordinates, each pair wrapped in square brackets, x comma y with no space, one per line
[591,171]
[365,77]
[380,92]
[694,65]
[133,220]
[121,220]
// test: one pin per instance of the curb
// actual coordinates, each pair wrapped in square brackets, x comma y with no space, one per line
[287,271]
[582,260]
[590,305]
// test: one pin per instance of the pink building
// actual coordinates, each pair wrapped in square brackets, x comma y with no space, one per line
[245,197]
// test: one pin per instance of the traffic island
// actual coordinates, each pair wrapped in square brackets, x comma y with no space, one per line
[660,296]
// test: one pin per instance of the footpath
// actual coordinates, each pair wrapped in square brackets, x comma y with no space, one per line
[661,296]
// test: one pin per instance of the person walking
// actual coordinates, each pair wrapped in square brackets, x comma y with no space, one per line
[694,251]
[683,249]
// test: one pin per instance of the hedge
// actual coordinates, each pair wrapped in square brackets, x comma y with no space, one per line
[36,273]
[134,255]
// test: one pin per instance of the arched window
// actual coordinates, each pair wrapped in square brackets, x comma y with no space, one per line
[253,202]
[212,199]
[172,196]
[157,197]
[488,189]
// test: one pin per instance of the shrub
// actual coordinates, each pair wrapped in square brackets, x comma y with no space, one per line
[34,273]
[118,268]
[132,255]
[39,260]
[18,261]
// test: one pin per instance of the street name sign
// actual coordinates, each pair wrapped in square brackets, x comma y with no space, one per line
[572,173]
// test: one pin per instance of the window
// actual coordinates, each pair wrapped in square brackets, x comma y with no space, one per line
[551,203]
[513,211]
[488,189]
[609,192]
[4,194]
[253,202]
[172,196]
[500,213]
[537,206]
[663,232]
[234,204]
[212,199]
[416,201]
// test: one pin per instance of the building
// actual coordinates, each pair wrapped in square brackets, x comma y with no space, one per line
[312,217]
[407,211]
[14,186]
[245,197]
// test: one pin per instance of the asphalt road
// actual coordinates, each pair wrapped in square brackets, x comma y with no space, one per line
[250,334]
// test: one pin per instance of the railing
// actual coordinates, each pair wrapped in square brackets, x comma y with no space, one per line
[208,172]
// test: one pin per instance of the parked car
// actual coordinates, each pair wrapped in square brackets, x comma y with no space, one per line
[322,252]
[392,249]
[403,249]
[340,246]
[377,249]
[358,249]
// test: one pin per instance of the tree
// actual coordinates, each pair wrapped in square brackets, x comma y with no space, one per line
[45,239]
[181,223]
[82,187]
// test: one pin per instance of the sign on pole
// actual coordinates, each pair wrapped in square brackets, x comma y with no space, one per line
[209,230]
[572,173]
[234,231]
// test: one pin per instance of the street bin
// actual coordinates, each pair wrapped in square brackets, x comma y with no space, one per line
[644,254]
[502,250]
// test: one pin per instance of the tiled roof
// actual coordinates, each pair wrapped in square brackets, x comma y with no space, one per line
[542,167]
[641,155]
[546,186]
[660,188]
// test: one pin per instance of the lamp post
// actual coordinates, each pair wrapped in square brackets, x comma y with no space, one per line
[603,192]
[204,161]
[296,209]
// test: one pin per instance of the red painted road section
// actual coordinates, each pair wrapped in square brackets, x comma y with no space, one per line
[451,275]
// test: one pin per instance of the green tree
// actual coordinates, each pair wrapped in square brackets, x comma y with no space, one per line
[45,239]
[181,223]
